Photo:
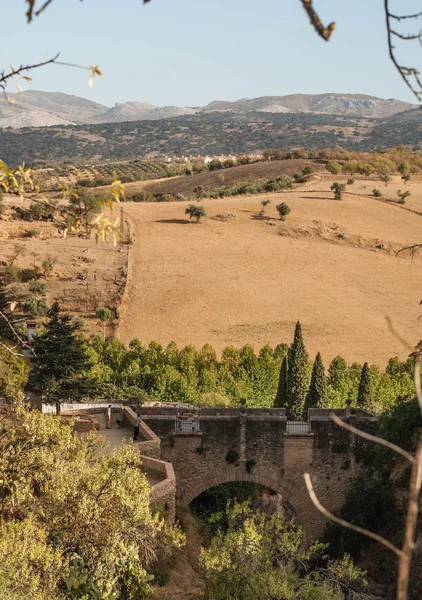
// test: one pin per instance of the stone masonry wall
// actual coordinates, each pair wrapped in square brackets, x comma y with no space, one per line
[266,455]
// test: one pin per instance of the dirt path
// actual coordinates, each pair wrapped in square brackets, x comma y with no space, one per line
[239,281]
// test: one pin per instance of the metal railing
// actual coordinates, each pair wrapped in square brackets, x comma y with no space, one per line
[298,427]
[69,406]
[189,427]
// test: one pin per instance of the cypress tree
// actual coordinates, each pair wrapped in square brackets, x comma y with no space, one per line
[365,388]
[281,396]
[298,378]
[317,396]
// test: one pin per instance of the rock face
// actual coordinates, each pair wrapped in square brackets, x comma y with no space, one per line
[340,104]
[39,109]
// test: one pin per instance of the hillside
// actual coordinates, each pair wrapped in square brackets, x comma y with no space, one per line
[202,133]
[243,278]
[39,109]
[213,179]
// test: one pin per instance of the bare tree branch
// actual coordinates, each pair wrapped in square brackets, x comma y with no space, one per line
[4,77]
[336,519]
[322,31]
[408,74]
[17,336]
[372,438]
[10,350]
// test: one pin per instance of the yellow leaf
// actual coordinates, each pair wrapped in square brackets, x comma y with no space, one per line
[28,79]
[19,88]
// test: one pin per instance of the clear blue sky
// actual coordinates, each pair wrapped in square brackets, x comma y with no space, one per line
[190,52]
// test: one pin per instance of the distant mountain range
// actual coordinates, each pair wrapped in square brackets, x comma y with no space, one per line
[43,109]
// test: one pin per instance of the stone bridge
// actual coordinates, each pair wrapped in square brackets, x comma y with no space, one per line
[216,446]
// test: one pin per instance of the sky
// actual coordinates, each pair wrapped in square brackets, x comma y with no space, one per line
[191,52]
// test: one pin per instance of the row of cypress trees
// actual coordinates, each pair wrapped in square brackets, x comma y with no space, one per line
[299,388]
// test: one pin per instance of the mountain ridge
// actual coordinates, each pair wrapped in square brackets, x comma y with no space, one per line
[34,108]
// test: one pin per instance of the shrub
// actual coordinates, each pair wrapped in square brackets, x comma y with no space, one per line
[37,287]
[30,233]
[47,266]
[41,211]
[376,193]
[36,307]
[142,196]
[215,399]
[350,181]
[283,210]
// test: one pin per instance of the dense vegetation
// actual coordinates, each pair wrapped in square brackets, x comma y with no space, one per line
[74,522]
[188,375]
[209,133]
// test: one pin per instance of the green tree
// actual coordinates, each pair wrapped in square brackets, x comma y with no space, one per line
[338,189]
[385,178]
[376,193]
[14,372]
[333,167]
[283,210]
[406,177]
[317,396]
[402,196]
[199,192]
[264,204]
[62,361]
[282,389]
[365,388]
[298,378]
[196,212]
[403,167]
[74,519]
[251,555]
[105,315]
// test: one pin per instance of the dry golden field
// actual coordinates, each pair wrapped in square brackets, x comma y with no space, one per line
[249,279]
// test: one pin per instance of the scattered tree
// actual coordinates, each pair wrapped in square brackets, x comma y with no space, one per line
[195,212]
[105,315]
[406,177]
[199,192]
[376,193]
[402,196]
[264,203]
[350,181]
[385,179]
[338,189]
[283,210]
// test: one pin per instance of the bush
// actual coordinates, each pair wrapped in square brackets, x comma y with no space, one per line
[37,287]
[402,196]
[283,210]
[333,167]
[30,233]
[350,181]
[215,399]
[376,193]
[41,211]
[142,196]
[36,307]
[47,266]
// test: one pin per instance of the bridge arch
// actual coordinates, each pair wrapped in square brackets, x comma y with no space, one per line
[294,495]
